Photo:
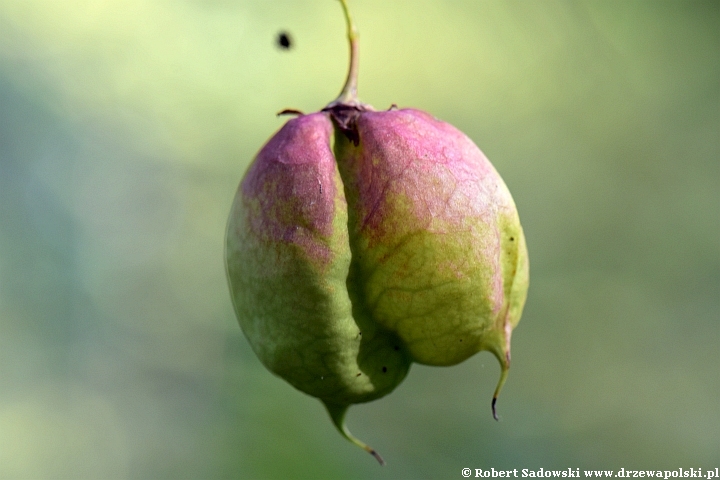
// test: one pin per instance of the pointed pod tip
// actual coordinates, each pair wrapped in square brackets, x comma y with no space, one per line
[377,457]
[337,414]
[504,369]
[501,382]
[500,347]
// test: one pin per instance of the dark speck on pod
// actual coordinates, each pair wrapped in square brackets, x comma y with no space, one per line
[284,41]
[384,369]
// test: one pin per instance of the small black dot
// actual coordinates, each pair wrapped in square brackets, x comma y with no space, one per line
[358,374]
[384,369]
[396,348]
[461,339]
[284,40]
[512,238]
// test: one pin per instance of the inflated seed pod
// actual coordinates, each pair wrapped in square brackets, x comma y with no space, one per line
[360,241]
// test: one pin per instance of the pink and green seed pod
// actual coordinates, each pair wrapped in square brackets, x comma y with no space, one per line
[362,241]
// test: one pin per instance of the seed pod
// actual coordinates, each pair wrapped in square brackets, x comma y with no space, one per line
[362,241]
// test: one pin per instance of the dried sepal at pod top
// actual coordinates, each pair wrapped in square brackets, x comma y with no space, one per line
[361,241]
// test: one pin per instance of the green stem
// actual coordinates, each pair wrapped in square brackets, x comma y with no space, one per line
[337,413]
[348,95]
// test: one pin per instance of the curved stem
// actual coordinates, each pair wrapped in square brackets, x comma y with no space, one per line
[348,95]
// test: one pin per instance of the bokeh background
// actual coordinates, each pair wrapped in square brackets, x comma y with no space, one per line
[126,125]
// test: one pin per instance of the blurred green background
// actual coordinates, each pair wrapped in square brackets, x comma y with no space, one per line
[125,127]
